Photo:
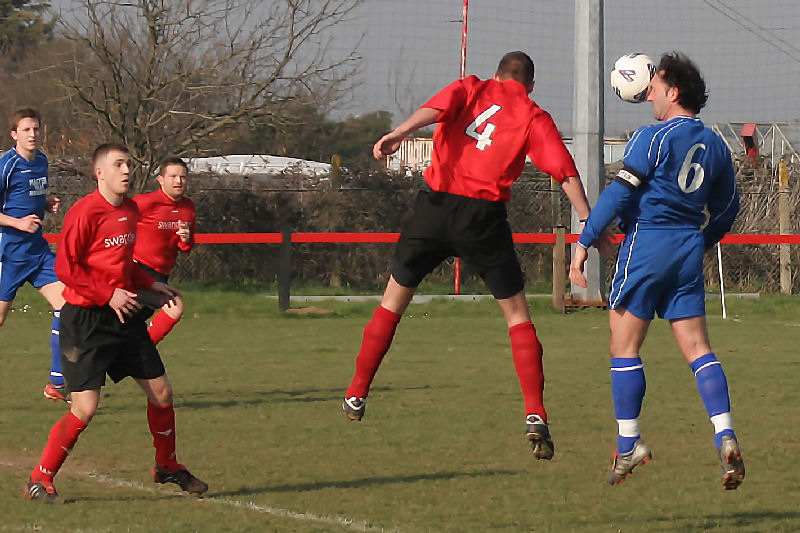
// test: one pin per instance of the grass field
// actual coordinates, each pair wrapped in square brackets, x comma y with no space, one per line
[441,447]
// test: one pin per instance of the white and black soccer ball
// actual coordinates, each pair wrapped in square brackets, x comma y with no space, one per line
[631,76]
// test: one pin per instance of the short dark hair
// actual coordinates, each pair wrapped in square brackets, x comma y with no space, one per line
[678,71]
[517,66]
[172,160]
[105,148]
[23,112]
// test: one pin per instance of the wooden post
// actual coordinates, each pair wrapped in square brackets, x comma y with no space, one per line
[785,227]
[559,268]
[285,269]
[555,202]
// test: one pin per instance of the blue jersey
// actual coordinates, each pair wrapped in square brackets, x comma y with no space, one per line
[23,188]
[671,173]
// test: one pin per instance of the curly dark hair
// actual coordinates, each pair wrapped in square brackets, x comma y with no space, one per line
[679,71]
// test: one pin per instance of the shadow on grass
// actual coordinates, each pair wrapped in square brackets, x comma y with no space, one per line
[245,397]
[200,400]
[364,482]
[116,499]
[729,521]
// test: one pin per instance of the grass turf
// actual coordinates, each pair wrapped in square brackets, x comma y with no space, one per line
[441,447]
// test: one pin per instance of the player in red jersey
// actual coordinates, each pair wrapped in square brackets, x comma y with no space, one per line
[485,130]
[102,329]
[166,225]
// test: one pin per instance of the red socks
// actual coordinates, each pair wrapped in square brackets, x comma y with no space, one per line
[66,431]
[63,437]
[161,324]
[162,425]
[527,352]
[378,335]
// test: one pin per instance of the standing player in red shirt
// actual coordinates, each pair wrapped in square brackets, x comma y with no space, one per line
[102,329]
[486,128]
[166,225]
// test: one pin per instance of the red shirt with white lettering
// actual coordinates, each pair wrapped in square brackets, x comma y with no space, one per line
[485,130]
[95,253]
[158,244]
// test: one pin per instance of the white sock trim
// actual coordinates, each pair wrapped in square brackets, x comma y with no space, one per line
[722,422]
[711,363]
[628,428]
[627,368]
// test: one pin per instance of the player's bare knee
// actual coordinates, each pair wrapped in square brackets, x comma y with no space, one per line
[164,397]
[84,413]
[163,394]
[5,308]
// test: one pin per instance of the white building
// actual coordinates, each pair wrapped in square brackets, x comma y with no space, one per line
[255,165]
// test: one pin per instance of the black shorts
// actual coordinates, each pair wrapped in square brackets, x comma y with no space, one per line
[95,343]
[149,299]
[477,231]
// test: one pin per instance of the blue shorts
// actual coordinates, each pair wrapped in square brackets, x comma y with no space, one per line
[660,271]
[38,270]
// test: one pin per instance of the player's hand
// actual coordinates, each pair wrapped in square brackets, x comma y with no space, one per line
[386,145]
[53,204]
[29,223]
[124,303]
[183,231]
[169,293]
[576,266]
[605,244]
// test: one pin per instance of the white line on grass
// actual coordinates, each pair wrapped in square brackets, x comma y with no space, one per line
[309,517]
[347,523]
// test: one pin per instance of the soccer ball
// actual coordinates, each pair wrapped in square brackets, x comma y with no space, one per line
[631,77]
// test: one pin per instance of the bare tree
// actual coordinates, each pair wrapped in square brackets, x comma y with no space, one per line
[170,76]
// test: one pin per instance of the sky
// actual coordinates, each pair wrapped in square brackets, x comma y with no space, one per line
[749,52]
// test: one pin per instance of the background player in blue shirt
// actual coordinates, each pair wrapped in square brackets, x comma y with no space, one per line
[24,253]
[671,172]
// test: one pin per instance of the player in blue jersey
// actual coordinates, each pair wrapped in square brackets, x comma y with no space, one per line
[671,173]
[24,253]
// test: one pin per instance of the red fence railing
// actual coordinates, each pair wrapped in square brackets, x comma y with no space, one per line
[349,238]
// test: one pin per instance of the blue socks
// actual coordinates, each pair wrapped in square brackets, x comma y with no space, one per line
[627,387]
[713,388]
[56,378]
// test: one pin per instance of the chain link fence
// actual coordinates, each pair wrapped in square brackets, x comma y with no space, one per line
[380,203]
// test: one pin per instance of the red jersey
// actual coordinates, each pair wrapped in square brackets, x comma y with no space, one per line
[486,128]
[95,253]
[158,244]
